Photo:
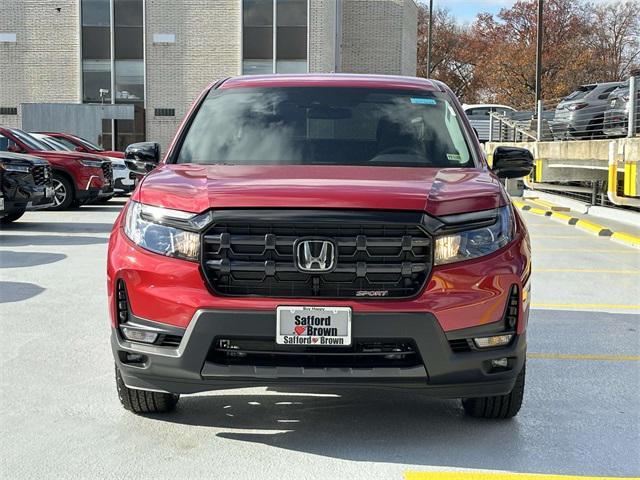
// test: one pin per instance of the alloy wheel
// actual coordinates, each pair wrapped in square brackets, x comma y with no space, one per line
[59,191]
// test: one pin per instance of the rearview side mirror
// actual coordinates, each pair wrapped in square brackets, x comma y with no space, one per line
[142,157]
[512,162]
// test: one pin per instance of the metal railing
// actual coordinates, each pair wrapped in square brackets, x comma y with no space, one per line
[581,116]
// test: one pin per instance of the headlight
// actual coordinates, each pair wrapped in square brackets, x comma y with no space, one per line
[119,166]
[91,163]
[7,167]
[156,229]
[475,243]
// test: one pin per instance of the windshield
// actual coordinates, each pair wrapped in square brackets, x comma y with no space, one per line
[88,145]
[580,93]
[53,143]
[30,141]
[326,126]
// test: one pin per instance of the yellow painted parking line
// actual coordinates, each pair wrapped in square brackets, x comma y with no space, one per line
[569,356]
[590,306]
[580,223]
[545,225]
[626,238]
[542,203]
[500,476]
[562,216]
[554,236]
[587,270]
[588,250]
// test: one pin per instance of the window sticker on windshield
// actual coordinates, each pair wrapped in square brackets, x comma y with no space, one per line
[454,157]
[423,101]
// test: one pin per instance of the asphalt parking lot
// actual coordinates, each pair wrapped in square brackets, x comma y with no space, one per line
[61,417]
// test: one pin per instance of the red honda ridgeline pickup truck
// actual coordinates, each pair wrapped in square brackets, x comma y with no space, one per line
[322,230]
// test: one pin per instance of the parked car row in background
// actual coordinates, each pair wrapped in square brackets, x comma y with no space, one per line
[592,111]
[56,171]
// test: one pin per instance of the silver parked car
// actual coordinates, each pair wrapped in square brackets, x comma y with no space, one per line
[581,113]
[616,117]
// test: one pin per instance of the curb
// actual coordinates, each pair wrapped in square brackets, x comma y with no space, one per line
[594,228]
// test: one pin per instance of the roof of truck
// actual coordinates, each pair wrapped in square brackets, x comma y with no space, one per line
[331,80]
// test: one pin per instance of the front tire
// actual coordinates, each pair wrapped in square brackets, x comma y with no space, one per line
[143,401]
[63,193]
[498,407]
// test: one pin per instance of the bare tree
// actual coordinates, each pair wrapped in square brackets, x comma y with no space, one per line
[614,39]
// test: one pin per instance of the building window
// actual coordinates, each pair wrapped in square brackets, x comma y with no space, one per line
[113,63]
[96,51]
[264,21]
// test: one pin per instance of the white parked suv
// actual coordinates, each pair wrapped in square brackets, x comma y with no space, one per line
[479,114]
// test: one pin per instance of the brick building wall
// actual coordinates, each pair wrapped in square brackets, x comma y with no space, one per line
[43,65]
[375,34]
[322,36]
[207,47]
[409,46]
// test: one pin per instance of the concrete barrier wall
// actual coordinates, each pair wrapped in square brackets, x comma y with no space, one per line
[585,160]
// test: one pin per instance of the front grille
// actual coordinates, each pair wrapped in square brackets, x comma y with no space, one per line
[107,170]
[379,254]
[364,353]
[41,174]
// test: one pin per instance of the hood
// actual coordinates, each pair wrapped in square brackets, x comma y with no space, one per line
[21,158]
[66,154]
[110,153]
[438,192]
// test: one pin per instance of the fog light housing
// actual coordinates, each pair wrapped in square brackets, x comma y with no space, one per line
[136,335]
[491,342]
[500,363]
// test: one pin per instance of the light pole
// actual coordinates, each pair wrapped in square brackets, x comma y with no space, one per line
[429,38]
[540,34]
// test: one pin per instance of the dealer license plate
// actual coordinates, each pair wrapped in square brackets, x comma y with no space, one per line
[313,326]
[48,192]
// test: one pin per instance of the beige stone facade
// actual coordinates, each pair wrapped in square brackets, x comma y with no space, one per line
[43,64]
[379,36]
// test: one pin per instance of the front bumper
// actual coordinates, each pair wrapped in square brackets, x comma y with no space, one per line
[106,192]
[124,185]
[459,300]
[441,372]
[28,197]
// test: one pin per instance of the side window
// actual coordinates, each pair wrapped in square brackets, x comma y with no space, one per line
[5,143]
[478,112]
[65,142]
[461,153]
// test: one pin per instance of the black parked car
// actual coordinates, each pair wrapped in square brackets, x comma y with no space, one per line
[25,184]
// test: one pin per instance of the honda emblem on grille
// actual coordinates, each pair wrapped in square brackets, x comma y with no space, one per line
[315,255]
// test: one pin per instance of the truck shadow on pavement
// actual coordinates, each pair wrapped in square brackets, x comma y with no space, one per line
[367,425]
[18,291]
[25,240]
[557,431]
[11,259]
[58,227]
